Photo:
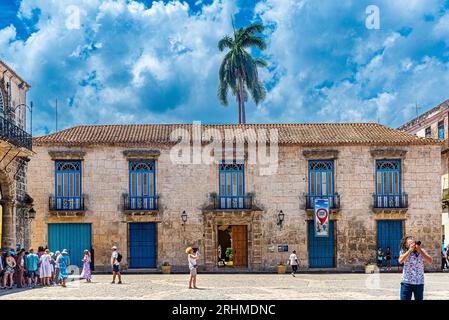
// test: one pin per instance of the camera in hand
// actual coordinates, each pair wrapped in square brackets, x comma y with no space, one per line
[418,243]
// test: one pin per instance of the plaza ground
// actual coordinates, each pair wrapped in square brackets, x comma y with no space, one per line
[238,287]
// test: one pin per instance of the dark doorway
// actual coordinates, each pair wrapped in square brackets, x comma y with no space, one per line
[234,240]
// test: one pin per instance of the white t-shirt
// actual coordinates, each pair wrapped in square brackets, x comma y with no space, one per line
[192,261]
[115,256]
[293,259]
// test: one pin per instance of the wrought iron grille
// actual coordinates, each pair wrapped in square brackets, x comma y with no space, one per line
[14,134]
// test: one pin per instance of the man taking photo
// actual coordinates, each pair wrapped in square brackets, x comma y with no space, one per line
[413,257]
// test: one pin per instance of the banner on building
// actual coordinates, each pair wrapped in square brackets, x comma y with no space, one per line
[321,217]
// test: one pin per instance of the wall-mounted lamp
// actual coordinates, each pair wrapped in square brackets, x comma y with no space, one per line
[31,213]
[280,219]
[184,217]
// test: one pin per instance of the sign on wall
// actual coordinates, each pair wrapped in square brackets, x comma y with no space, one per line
[321,217]
[283,248]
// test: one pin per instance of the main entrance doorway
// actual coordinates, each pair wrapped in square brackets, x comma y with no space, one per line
[232,245]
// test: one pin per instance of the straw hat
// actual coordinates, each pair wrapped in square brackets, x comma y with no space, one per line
[189,249]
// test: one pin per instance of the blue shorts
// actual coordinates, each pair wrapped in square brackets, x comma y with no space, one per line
[31,274]
[116,268]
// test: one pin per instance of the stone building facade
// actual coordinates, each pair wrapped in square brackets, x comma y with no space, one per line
[15,152]
[266,215]
[434,124]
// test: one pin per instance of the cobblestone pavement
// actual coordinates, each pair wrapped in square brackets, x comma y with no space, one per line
[238,286]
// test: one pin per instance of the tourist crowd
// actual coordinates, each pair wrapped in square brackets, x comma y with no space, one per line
[28,269]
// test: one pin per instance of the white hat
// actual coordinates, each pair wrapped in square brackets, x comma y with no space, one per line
[65,251]
[114,248]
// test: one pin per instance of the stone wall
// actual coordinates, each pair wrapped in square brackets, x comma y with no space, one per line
[187,187]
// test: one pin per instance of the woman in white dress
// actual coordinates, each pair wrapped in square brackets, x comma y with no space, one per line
[45,268]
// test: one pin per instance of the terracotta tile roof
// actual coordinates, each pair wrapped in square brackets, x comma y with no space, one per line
[307,134]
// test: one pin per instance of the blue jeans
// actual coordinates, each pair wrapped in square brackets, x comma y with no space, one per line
[408,289]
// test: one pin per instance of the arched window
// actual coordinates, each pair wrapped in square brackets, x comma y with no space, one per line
[321,177]
[231,185]
[68,185]
[142,185]
[388,184]
[321,182]
[388,177]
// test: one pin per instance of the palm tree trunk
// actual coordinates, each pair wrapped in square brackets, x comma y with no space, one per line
[242,100]
[240,108]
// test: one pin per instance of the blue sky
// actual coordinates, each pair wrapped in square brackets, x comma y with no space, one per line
[156,62]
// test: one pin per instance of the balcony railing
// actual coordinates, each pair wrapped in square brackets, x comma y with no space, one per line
[390,201]
[232,202]
[66,203]
[14,134]
[140,203]
[334,200]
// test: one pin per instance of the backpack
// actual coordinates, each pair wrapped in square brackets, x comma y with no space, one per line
[119,257]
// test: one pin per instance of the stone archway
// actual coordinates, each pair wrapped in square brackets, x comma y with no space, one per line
[250,219]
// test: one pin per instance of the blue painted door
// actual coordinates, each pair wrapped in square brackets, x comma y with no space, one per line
[142,245]
[75,237]
[389,234]
[321,249]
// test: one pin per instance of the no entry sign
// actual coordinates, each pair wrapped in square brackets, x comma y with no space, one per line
[321,219]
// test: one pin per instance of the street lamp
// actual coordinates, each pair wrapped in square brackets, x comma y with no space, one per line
[30,107]
[184,217]
[31,213]
[280,219]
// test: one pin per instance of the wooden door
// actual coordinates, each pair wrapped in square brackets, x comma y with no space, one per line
[240,245]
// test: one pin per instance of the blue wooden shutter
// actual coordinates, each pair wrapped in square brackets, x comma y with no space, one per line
[231,184]
[142,185]
[68,185]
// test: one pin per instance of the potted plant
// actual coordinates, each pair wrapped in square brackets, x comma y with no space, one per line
[282,268]
[370,267]
[230,256]
[166,268]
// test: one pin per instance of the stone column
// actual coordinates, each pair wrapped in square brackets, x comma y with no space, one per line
[8,224]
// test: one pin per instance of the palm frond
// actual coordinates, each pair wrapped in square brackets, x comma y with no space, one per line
[252,29]
[225,42]
[223,93]
[260,62]
[254,41]
[258,92]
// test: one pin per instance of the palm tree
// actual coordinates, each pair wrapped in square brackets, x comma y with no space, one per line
[238,70]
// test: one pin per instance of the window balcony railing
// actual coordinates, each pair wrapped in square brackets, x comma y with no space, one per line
[334,200]
[390,201]
[66,203]
[232,202]
[14,134]
[140,203]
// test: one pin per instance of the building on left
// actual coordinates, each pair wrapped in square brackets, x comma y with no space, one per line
[16,206]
